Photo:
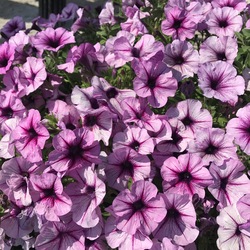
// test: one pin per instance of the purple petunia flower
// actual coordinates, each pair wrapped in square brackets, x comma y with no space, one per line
[220,80]
[213,145]
[236,4]
[182,58]
[125,163]
[233,230]
[139,209]
[48,195]
[73,149]
[52,39]
[30,136]
[230,184]
[107,14]
[222,48]
[185,175]
[12,27]
[154,81]
[224,21]
[239,127]
[179,223]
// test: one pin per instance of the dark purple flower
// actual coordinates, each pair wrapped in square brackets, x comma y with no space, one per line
[12,27]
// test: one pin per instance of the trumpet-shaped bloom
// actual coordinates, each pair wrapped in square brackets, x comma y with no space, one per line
[30,136]
[86,193]
[7,52]
[154,81]
[185,175]
[224,21]
[52,39]
[182,58]
[220,80]
[230,184]
[48,195]
[73,149]
[179,223]
[139,209]
[239,128]
[233,230]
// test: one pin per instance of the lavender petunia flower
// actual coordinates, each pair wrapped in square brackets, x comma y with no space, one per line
[179,223]
[107,14]
[185,175]
[125,163]
[48,195]
[73,149]
[154,81]
[86,193]
[191,114]
[238,128]
[139,209]
[222,48]
[52,39]
[233,230]
[30,136]
[224,21]
[179,23]
[236,4]
[213,145]
[182,58]
[220,80]
[60,236]
[230,184]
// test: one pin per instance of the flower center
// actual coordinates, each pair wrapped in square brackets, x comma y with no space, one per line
[173,213]
[187,121]
[7,112]
[111,93]
[185,176]
[177,24]
[179,60]
[223,23]
[32,133]
[3,62]
[128,166]
[135,145]
[75,151]
[138,205]
[90,120]
[151,83]
[211,149]
[135,52]
[94,104]
[221,56]
[223,183]
[53,43]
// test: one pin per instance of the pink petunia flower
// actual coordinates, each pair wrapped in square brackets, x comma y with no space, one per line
[185,175]
[239,128]
[107,14]
[7,52]
[236,4]
[30,136]
[48,195]
[139,209]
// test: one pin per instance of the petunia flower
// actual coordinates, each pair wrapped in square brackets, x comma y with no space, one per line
[220,80]
[12,27]
[224,21]
[182,58]
[52,39]
[154,81]
[236,4]
[185,175]
[213,145]
[59,235]
[86,193]
[233,232]
[139,209]
[230,183]
[107,14]
[7,53]
[73,149]
[222,48]
[49,198]
[179,223]
[239,127]
[30,136]
[123,164]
